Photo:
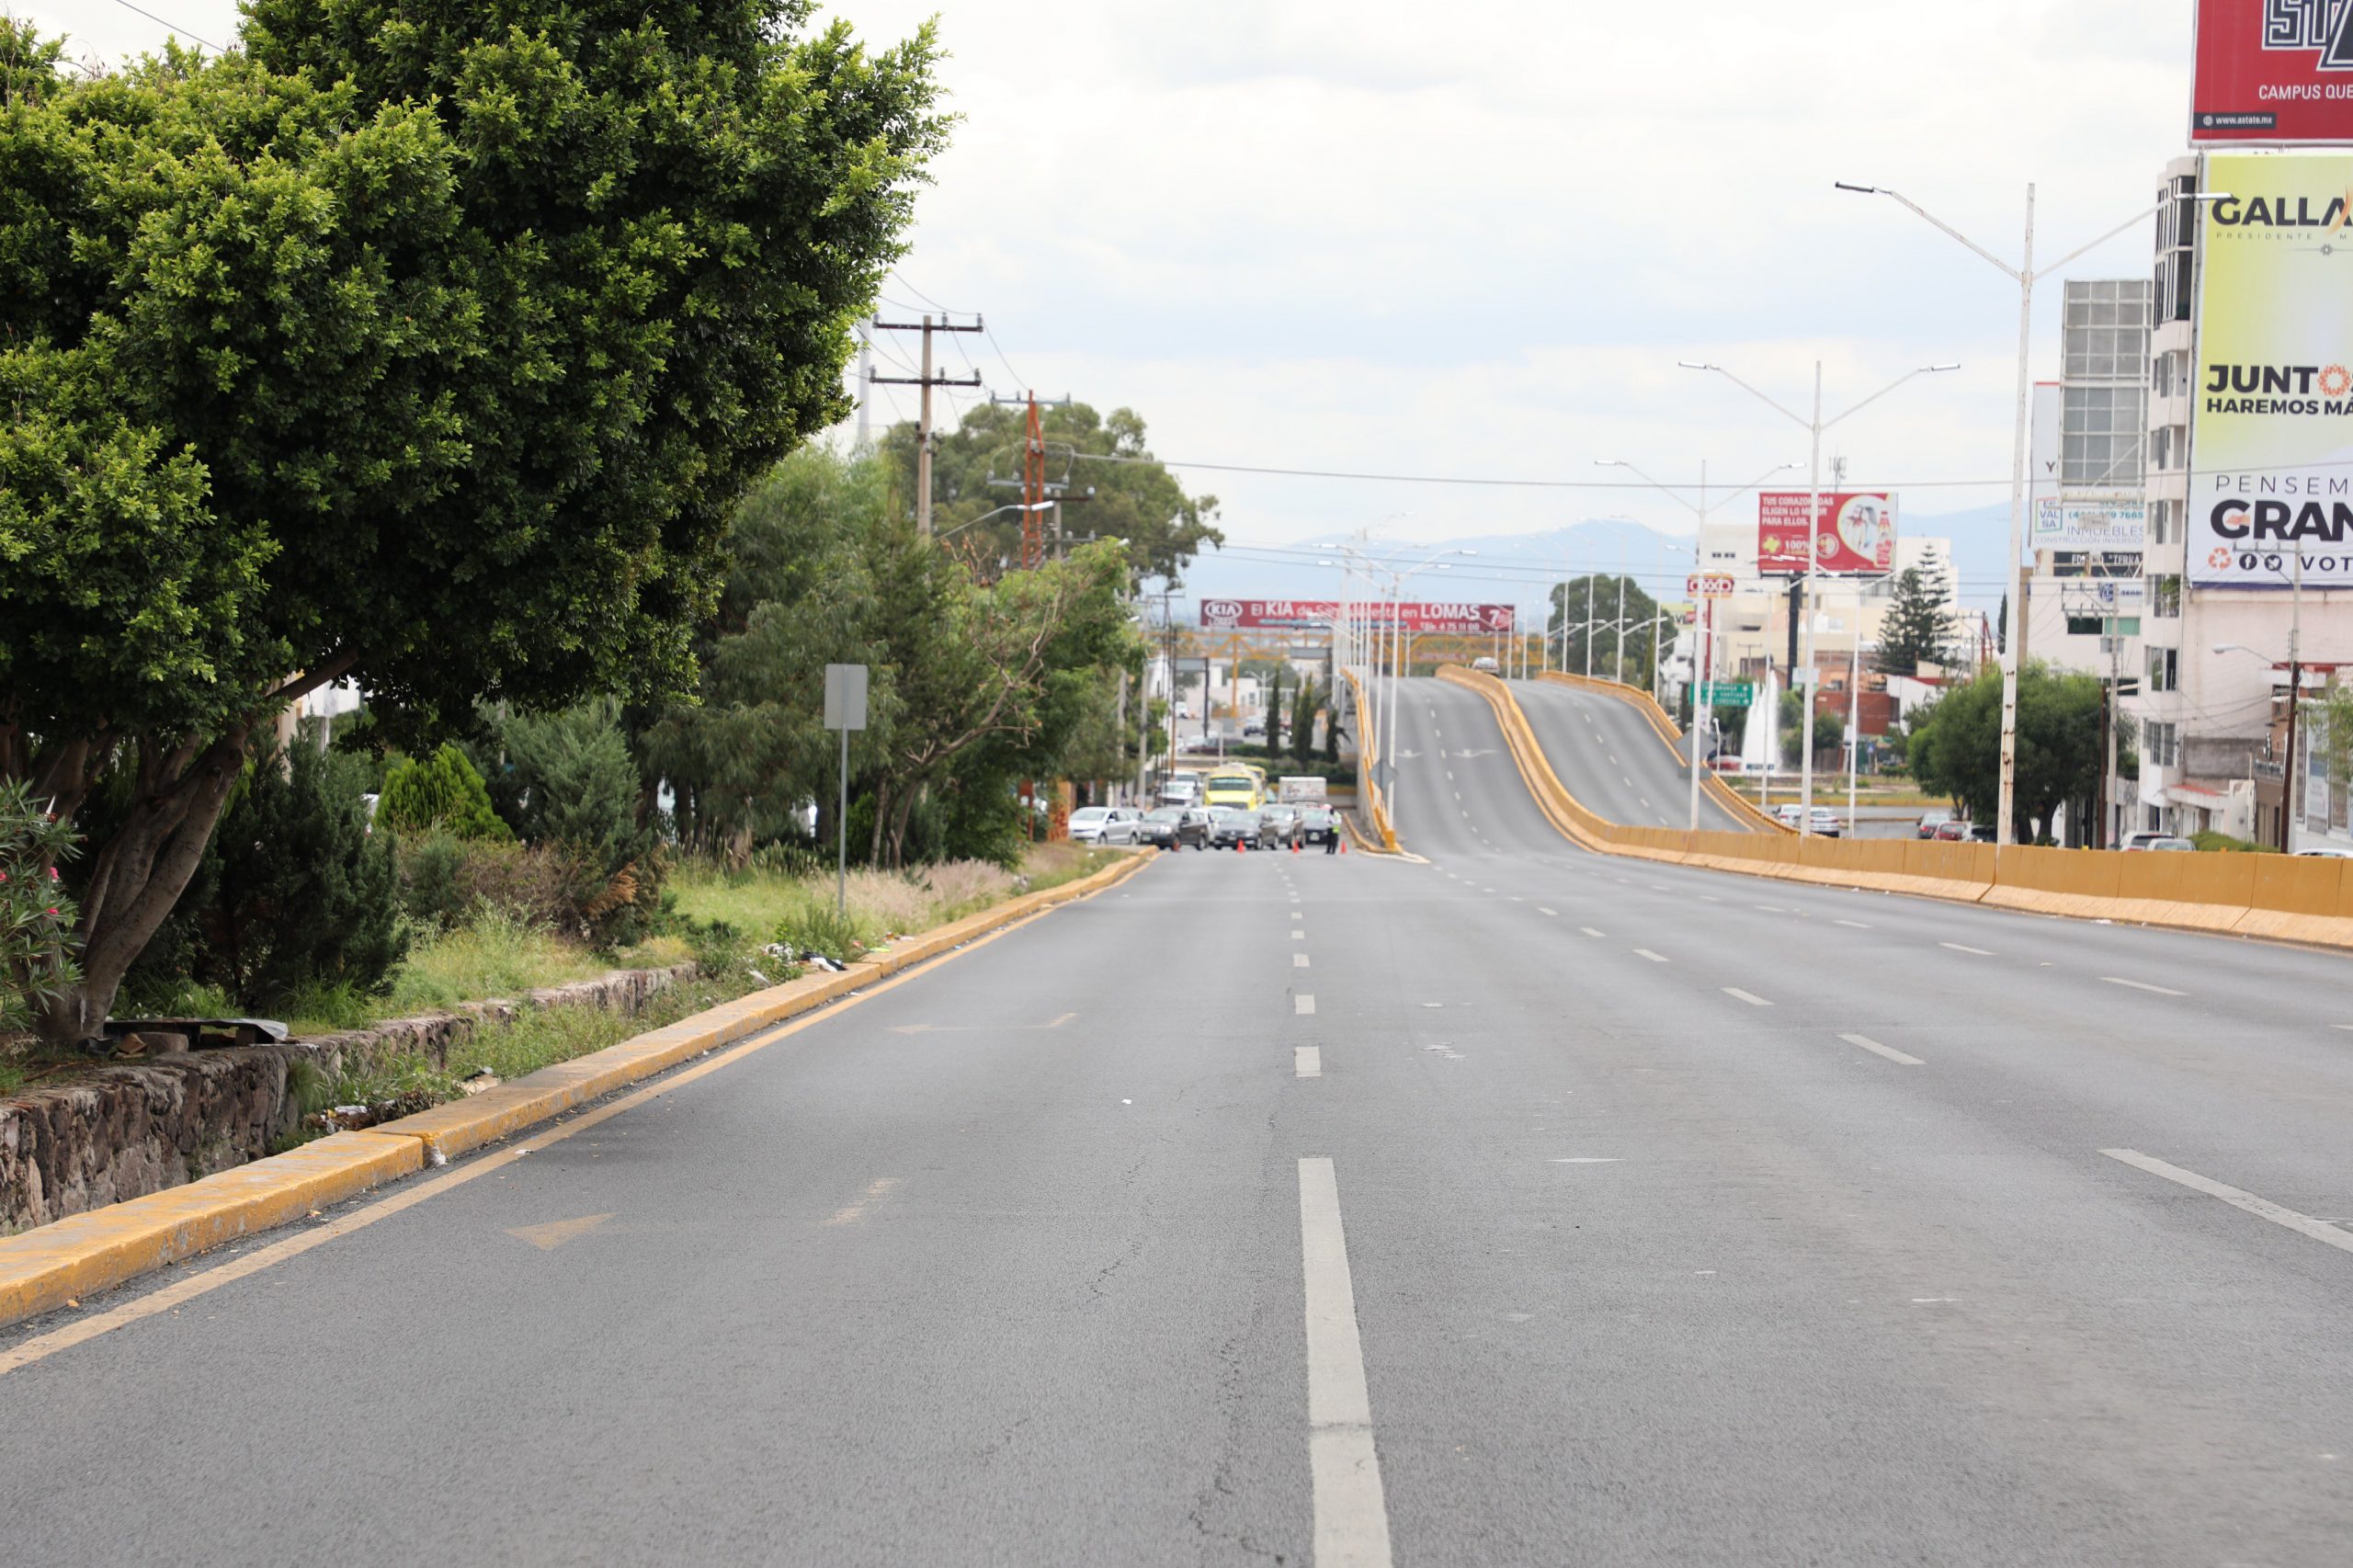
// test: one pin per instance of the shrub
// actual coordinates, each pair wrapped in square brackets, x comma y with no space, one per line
[296,893]
[35,917]
[576,783]
[817,929]
[2223,842]
[441,793]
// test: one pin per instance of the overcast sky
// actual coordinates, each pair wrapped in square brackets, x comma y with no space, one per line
[1474,239]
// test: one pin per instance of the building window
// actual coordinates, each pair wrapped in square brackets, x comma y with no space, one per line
[2105,333]
[2102,434]
[2164,669]
[2164,746]
[2164,598]
[2084,626]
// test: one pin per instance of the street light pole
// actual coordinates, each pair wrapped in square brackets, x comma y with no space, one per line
[2024,276]
[1704,620]
[1814,428]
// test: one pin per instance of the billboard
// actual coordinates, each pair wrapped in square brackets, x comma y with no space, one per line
[2273,70]
[2271,432]
[1855,534]
[2064,524]
[1235,615]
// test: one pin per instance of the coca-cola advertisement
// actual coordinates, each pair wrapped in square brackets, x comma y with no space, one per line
[1246,615]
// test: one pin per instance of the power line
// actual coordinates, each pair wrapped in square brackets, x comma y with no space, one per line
[176,28]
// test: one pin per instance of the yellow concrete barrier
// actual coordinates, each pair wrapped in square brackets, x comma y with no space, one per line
[1376,804]
[58,1264]
[45,1268]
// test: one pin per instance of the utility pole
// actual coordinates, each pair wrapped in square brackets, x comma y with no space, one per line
[2295,702]
[865,381]
[1036,489]
[926,381]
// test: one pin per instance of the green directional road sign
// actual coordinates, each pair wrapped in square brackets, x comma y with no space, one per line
[1728,694]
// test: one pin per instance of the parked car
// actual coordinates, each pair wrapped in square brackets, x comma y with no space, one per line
[1932,820]
[2147,840]
[1278,827]
[1826,823]
[1788,813]
[1087,824]
[1484,664]
[1253,730]
[1105,824]
[2324,854]
[1318,825]
[1172,827]
[2174,845]
[1959,832]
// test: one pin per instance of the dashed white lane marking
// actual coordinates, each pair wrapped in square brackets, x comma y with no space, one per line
[1629,783]
[2262,1207]
[1710,898]
[1772,909]
[1590,1160]
[2143,985]
[1556,914]
[1307,1061]
[1875,1046]
[1591,932]
[1958,948]
[1344,1467]
[1750,997]
[1646,953]
[1855,925]
[1299,936]
[1486,889]
[1298,961]
[1658,887]
[1303,1004]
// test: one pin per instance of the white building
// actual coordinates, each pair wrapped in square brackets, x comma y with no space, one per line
[2206,718]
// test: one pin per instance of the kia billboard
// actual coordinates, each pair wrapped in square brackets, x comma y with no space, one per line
[1243,615]
[2273,70]
[1856,536]
[2271,445]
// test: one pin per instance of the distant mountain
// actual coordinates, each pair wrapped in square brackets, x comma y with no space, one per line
[1519,568]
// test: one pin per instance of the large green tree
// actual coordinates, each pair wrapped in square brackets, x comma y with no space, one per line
[428,346]
[1114,489]
[1917,628]
[1955,748]
[974,683]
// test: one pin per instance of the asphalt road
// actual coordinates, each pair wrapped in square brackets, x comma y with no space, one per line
[1555,1209]
[1606,753]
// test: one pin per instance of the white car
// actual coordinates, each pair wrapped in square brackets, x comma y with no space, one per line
[1105,824]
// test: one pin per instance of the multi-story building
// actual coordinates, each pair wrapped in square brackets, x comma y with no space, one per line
[2213,660]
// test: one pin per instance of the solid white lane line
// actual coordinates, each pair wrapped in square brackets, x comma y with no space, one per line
[1556,913]
[1872,1045]
[1591,932]
[1855,924]
[1344,1467]
[1750,997]
[1298,961]
[2262,1207]
[2143,985]
[1307,1061]
[1646,953]
[1958,947]
[1303,1004]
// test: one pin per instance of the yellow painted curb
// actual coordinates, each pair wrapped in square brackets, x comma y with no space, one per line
[47,1268]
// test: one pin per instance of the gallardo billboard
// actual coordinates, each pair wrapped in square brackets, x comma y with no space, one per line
[2273,70]
[2271,444]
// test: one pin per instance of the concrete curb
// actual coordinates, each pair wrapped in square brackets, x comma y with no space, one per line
[56,1264]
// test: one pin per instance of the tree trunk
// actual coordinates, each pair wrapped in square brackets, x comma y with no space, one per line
[142,871]
[900,819]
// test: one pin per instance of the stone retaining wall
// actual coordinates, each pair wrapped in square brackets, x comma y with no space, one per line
[124,1131]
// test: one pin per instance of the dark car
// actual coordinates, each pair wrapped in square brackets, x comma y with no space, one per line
[1229,828]
[1317,825]
[1172,827]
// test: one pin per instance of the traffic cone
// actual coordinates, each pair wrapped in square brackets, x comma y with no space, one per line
[1240,847]
[1344,844]
[1294,846]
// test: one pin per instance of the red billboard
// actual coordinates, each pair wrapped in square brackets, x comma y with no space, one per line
[1855,536]
[2273,70]
[1235,615]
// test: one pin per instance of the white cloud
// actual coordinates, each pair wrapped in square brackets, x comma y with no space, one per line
[1476,238]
